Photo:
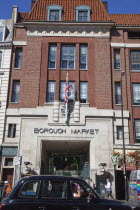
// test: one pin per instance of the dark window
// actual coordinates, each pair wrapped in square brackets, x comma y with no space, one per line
[135,60]
[51,91]
[52,56]
[29,189]
[117,59]
[137,131]
[11,130]
[136,94]
[71,91]
[83,92]
[15,91]
[0,59]
[54,189]
[18,58]
[118,92]
[134,35]
[8,162]
[119,133]
[54,15]
[83,56]
[68,57]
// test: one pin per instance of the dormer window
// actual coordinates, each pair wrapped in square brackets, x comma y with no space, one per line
[83,13]
[2,33]
[54,13]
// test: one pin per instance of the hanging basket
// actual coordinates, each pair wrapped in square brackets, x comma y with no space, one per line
[117,158]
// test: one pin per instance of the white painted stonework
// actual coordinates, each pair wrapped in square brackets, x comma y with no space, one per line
[69,29]
[38,131]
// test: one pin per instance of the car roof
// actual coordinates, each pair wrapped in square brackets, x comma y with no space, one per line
[41,177]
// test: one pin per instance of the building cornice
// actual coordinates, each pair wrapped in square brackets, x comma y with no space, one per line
[6,44]
[70,29]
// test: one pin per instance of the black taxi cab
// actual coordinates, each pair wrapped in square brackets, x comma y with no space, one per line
[57,193]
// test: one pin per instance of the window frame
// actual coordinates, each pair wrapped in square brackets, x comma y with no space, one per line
[117,95]
[38,189]
[86,55]
[13,127]
[82,82]
[53,197]
[49,55]
[14,92]
[134,103]
[83,8]
[3,33]
[18,60]
[118,128]
[54,8]
[134,63]
[137,140]
[115,59]
[49,82]
[69,55]
[1,57]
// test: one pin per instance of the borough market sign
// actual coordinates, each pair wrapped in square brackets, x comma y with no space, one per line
[65,131]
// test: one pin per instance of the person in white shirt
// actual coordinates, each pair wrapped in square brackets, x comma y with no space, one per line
[109,189]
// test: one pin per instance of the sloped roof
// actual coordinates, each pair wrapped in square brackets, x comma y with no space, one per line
[125,19]
[39,10]
[98,12]
[22,16]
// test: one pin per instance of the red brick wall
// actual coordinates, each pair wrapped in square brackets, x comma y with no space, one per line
[34,73]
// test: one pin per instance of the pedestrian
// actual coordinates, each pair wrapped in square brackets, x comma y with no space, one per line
[91,184]
[109,189]
[7,188]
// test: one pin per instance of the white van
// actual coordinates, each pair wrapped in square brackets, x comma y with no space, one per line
[134,187]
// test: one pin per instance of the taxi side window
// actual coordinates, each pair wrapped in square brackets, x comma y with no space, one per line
[80,190]
[54,189]
[29,189]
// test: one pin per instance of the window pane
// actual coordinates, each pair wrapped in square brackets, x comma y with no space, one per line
[54,15]
[8,162]
[11,130]
[136,93]
[116,59]
[55,189]
[83,92]
[29,189]
[62,91]
[68,56]
[52,56]
[1,33]
[83,56]
[119,133]
[135,60]
[51,91]
[137,130]
[0,59]
[118,93]
[18,58]
[15,91]
[83,16]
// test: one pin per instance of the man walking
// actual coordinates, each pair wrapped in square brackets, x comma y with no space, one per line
[109,189]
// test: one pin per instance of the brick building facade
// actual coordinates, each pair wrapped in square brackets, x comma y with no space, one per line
[79,38]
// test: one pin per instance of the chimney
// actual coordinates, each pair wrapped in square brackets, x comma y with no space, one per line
[32,3]
[105,3]
[15,14]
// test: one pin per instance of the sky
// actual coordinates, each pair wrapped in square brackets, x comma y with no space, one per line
[115,6]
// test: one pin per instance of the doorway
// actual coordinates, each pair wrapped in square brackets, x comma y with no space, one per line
[65,158]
